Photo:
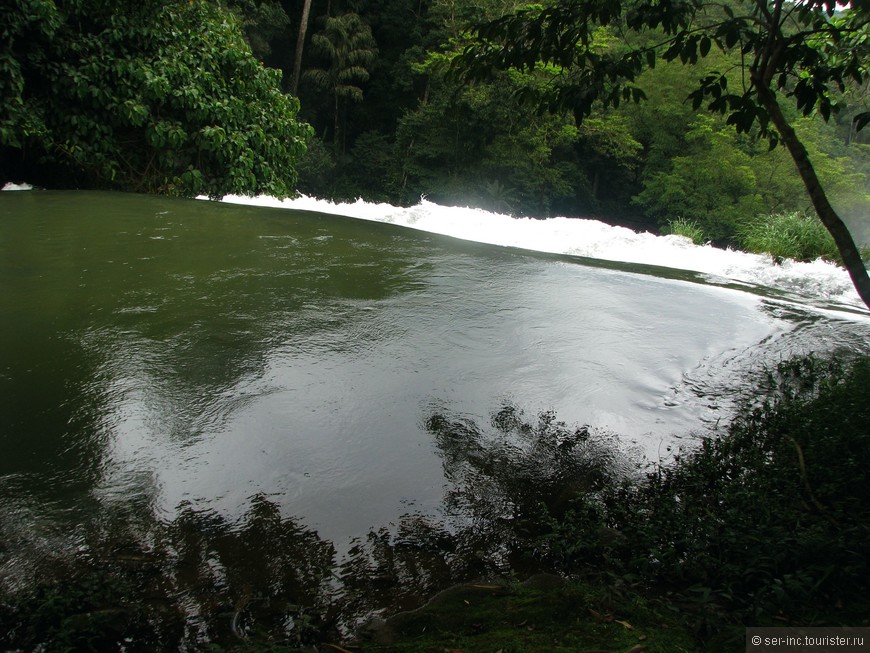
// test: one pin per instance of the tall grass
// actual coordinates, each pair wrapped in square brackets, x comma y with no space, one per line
[688,228]
[793,235]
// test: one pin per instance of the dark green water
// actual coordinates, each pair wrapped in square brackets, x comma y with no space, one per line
[176,356]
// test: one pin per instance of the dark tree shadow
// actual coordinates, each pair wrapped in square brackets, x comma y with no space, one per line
[511,483]
[137,582]
[141,584]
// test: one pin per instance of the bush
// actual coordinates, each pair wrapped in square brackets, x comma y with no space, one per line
[769,523]
[711,182]
[317,170]
[148,97]
[794,235]
[686,228]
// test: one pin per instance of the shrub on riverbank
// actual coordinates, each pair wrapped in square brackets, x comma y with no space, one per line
[687,228]
[769,524]
[792,235]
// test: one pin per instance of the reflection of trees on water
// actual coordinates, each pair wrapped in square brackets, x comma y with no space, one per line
[512,471]
[509,484]
[512,481]
[149,585]
[267,575]
[399,568]
[200,578]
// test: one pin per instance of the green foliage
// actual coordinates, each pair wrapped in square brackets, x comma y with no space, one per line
[347,44]
[769,521]
[154,97]
[795,236]
[609,156]
[372,170]
[687,229]
[806,54]
[712,184]
[841,168]
[263,21]
[485,144]
[823,51]
[480,145]
[31,24]
[317,169]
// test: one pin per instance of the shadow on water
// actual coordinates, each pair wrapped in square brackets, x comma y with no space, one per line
[129,579]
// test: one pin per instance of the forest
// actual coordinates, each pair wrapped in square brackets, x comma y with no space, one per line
[393,124]
[367,90]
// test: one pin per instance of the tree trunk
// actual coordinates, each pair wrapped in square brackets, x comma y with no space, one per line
[336,133]
[300,43]
[833,223]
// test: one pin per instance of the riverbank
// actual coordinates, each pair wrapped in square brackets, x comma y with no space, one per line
[543,613]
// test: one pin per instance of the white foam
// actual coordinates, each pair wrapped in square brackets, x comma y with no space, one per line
[594,239]
[12,186]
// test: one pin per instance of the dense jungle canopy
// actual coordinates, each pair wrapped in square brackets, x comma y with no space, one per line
[194,97]
[148,96]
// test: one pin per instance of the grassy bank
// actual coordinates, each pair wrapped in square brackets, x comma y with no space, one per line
[794,235]
[791,235]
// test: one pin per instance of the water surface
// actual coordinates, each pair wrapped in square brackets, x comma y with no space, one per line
[192,355]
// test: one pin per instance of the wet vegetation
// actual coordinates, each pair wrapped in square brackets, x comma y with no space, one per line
[796,236]
[766,523]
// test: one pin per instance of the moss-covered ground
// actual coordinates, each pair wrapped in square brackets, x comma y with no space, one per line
[532,617]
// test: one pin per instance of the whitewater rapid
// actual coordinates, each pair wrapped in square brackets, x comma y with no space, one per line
[12,186]
[818,281]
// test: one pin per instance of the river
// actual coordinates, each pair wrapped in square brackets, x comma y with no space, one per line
[185,355]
